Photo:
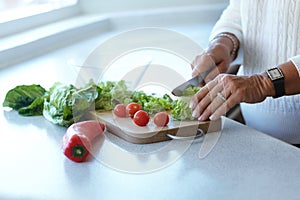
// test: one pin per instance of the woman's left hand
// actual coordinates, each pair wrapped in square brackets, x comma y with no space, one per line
[225,91]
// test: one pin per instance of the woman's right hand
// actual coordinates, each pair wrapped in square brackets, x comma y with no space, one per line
[216,56]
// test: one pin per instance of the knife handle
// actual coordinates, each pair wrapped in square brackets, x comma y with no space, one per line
[199,134]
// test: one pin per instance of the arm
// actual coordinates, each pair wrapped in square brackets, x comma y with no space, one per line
[249,89]
[230,21]
[220,49]
[296,61]
[290,70]
[291,79]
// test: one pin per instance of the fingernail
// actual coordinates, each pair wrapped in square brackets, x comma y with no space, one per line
[200,118]
[194,114]
[191,106]
[213,117]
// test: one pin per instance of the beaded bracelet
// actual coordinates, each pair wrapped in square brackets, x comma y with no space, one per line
[234,43]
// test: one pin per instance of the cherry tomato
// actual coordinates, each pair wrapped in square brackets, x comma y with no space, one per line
[120,110]
[141,118]
[161,119]
[132,108]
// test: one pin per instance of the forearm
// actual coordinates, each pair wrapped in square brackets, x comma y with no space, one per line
[229,41]
[291,80]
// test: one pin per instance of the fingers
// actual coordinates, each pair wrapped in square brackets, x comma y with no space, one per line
[201,96]
[217,110]
[213,100]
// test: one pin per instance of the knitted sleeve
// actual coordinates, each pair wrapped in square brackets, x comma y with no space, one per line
[296,62]
[230,21]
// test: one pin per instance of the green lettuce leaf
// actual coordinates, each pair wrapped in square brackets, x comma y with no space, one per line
[110,93]
[121,93]
[181,110]
[34,109]
[21,98]
[66,104]
[152,103]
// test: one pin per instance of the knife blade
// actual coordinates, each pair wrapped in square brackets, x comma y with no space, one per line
[195,81]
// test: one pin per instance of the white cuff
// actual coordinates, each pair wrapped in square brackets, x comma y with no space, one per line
[296,61]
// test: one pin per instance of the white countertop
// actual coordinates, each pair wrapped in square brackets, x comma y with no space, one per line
[245,164]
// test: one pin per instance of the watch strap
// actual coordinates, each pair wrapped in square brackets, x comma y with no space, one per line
[279,87]
[278,83]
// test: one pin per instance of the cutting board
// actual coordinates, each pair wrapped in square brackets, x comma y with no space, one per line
[126,129]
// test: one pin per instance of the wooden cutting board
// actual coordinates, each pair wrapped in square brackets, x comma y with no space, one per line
[125,128]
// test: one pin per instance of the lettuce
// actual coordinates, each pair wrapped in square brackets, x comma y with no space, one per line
[34,109]
[66,104]
[110,93]
[151,103]
[181,109]
[27,99]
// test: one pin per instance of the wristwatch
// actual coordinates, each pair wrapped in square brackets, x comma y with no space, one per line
[277,78]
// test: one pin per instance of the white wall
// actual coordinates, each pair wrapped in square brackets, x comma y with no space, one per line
[106,6]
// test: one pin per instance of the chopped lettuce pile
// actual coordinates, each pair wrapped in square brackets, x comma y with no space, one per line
[151,103]
[65,104]
[181,109]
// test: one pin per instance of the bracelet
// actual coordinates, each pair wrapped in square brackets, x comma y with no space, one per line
[234,43]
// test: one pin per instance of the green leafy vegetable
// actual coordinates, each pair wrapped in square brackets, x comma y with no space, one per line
[110,91]
[181,109]
[121,93]
[34,109]
[23,96]
[65,104]
[190,91]
[151,103]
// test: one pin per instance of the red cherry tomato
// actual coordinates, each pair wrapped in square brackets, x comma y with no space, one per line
[120,110]
[161,119]
[132,108]
[141,118]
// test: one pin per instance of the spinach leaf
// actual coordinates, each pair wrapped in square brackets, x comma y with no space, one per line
[23,96]
[34,109]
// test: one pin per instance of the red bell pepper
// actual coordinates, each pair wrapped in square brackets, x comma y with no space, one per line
[77,142]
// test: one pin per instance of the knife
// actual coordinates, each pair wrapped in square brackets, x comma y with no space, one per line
[195,81]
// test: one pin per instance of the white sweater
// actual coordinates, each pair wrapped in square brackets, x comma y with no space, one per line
[269,32]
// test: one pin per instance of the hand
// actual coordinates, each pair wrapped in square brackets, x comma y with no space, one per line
[232,89]
[217,55]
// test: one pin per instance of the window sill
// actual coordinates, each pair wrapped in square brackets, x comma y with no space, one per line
[28,44]
[35,42]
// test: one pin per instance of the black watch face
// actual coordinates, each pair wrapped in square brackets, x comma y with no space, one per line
[275,74]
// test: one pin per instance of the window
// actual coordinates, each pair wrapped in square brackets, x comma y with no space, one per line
[20,15]
[15,9]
